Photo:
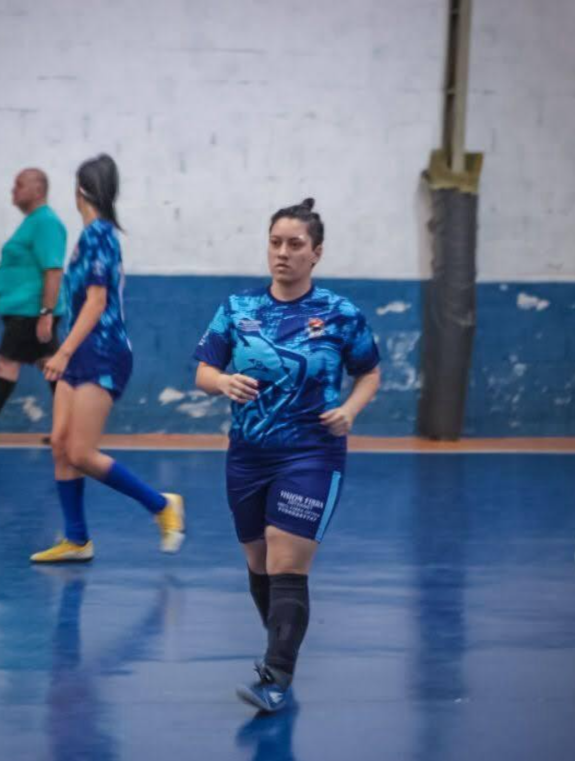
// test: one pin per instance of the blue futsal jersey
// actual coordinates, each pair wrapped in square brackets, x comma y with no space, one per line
[105,355]
[297,351]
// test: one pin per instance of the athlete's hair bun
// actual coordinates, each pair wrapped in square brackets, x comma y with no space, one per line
[304,212]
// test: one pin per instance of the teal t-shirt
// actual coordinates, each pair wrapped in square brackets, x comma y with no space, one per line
[39,244]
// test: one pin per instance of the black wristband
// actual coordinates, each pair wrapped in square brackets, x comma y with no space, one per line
[46,310]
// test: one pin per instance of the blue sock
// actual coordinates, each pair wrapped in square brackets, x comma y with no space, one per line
[120,479]
[71,495]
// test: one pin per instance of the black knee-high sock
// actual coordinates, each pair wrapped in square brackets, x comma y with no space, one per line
[287,622]
[6,388]
[260,592]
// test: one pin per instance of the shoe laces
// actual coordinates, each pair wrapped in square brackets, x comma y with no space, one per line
[266,677]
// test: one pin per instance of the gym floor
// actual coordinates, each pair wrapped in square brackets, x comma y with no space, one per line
[442,625]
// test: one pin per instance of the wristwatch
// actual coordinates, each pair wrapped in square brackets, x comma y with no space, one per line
[45,310]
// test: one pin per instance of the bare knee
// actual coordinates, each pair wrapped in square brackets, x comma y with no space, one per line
[59,446]
[288,553]
[256,556]
[78,455]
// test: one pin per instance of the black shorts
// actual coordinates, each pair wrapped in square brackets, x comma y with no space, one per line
[19,342]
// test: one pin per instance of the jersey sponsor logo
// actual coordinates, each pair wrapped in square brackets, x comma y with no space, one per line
[249,326]
[315,327]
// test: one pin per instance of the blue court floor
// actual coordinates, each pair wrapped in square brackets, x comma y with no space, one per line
[442,629]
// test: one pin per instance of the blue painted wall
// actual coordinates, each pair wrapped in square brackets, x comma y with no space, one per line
[523,374]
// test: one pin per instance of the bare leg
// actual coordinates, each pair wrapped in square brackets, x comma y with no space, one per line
[256,555]
[62,416]
[287,553]
[9,374]
[9,369]
[91,407]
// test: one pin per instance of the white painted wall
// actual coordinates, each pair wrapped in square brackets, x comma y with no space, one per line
[522,115]
[219,111]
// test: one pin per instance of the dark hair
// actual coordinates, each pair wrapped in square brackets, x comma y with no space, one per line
[99,183]
[303,212]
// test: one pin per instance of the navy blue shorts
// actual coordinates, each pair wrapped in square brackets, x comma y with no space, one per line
[297,493]
[111,374]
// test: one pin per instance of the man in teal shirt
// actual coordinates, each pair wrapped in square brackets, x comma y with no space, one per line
[31,264]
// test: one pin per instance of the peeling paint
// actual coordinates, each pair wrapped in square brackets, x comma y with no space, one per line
[402,375]
[200,406]
[527,301]
[197,394]
[401,378]
[394,307]
[32,411]
[523,371]
[170,395]
[562,401]
[401,344]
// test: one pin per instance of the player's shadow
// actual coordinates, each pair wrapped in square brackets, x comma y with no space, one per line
[80,725]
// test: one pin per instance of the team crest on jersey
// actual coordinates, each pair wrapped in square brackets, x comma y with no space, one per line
[249,326]
[315,327]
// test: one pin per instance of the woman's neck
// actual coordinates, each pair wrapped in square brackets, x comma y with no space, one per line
[290,291]
[89,214]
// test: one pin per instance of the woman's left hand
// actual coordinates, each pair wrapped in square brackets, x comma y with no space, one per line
[338,421]
[55,367]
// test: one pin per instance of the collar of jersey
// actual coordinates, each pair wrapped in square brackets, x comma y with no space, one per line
[293,301]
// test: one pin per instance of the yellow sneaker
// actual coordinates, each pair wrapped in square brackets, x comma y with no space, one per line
[65,552]
[171,523]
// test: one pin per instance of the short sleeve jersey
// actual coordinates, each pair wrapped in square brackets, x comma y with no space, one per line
[39,244]
[97,261]
[297,351]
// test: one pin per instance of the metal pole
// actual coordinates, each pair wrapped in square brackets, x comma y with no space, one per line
[456,83]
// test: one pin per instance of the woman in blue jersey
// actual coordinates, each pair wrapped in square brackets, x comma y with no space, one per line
[92,368]
[288,345]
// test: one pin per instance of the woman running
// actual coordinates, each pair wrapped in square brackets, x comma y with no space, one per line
[92,368]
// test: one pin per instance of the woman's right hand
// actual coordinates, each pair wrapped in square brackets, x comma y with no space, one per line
[239,388]
[55,366]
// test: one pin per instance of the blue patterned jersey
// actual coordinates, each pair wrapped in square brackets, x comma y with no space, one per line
[97,260]
[297,351]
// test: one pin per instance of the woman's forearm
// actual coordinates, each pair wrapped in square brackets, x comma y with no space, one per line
[209,379]
[88,318]
[239,388]
[364,389]
[51,288]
